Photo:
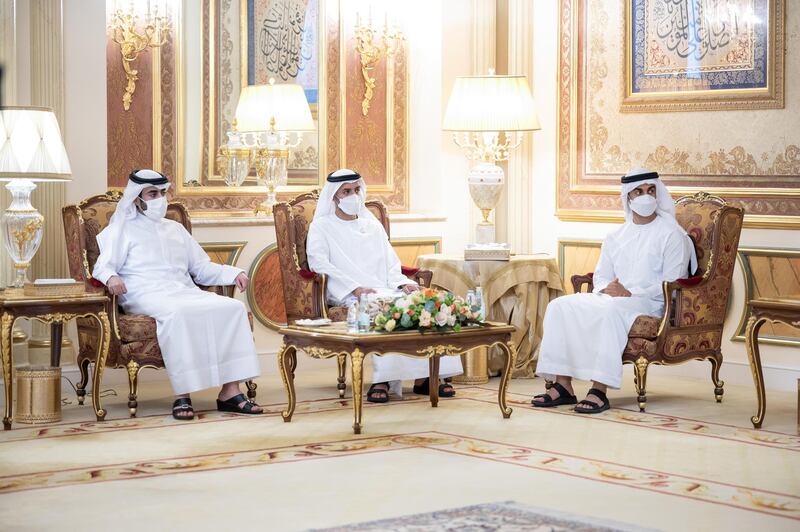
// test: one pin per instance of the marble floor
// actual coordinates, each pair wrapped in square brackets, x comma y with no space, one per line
[687,463]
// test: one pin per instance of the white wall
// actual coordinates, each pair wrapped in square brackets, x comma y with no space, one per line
[781,364]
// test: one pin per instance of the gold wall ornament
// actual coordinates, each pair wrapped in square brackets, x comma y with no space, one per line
[370,53]
[124,30]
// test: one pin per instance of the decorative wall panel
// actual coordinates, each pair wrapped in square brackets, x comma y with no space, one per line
[750,157]
[772,273]
[576,257]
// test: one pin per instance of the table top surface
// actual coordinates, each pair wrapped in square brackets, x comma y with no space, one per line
[338,330]
[776,303]
[456,257]
[16,297]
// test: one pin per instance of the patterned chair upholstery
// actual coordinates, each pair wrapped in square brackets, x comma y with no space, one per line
[691,327]
[133,337]
[304,290]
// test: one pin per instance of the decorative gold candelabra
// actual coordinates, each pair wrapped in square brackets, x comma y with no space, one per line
[124,32]
[370,53]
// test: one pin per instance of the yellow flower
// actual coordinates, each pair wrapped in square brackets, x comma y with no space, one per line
[390,325]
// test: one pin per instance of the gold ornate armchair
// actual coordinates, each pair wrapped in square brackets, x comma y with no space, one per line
[691,327]
[304,290]
[134,345]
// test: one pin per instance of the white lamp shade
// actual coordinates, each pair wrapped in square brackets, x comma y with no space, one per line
[31,145]
[286,103]
[491,103]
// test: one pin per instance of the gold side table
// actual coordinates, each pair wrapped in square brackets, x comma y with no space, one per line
[516,292]
[53,310]
[762,310]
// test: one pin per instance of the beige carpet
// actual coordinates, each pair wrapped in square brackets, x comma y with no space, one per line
[687,463]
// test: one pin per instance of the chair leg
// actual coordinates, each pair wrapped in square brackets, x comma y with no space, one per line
[341,361]
[640,379]
[80,388]
[716,363]
[251,389]
[133,386]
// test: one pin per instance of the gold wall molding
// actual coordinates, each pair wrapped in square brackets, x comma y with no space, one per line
[223,252]
[593,153]
[769,273]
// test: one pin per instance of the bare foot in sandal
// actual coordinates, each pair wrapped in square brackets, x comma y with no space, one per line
[378,393]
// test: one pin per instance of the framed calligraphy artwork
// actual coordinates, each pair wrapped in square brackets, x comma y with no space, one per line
[281,43]
[689,55]
[728,143]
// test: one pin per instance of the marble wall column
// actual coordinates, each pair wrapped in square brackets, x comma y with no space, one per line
[47,89]
[515,57]
[483,51]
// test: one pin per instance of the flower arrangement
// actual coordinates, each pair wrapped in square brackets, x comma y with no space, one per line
[427,309]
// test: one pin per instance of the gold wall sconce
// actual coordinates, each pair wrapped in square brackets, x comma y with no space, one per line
[371,52]
[124,29]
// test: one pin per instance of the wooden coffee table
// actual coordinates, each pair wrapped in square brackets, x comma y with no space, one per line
[335,341]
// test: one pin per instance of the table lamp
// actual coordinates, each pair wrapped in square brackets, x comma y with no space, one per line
[488,115]
[31,150]
[265,116]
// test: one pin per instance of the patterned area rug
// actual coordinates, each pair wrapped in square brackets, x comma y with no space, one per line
[502,517]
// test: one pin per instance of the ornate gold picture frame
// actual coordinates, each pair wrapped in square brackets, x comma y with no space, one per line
[688,55]
[749,157]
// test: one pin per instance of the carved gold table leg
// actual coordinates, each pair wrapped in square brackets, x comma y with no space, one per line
[508,368]
[100,365]
[754,356]
[6,339]
[341,362]
[357,363]
[286,354]
[433,380]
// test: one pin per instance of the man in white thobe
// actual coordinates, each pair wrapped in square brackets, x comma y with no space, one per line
[349,245]
[585,334]
[152,264]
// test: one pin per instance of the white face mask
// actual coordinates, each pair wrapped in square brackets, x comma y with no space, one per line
[350,204]
[644,205]
[156,208]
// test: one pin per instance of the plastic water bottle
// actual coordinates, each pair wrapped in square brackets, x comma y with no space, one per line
[363,316]
[471,298]
[479,301]
[352,315]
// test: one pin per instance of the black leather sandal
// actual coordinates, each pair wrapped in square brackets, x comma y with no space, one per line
[232,405]
[589,407]
[564,398]
[184,404]
[378,395]
[445,389]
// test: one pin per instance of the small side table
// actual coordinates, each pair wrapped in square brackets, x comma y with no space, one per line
[785,311]
[53,310]
[516,291]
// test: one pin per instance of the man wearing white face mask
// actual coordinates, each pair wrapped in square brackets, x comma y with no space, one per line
[349,245]
[152,264]
[585,334]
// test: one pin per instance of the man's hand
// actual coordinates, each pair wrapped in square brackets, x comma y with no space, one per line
[615,289]
[116,286]
[411,287]
[241,282]
[358,292]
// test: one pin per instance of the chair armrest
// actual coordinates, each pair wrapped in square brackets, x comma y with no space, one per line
[219,289]
[696,303]
[421,277]
[579,280]
[112,307]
